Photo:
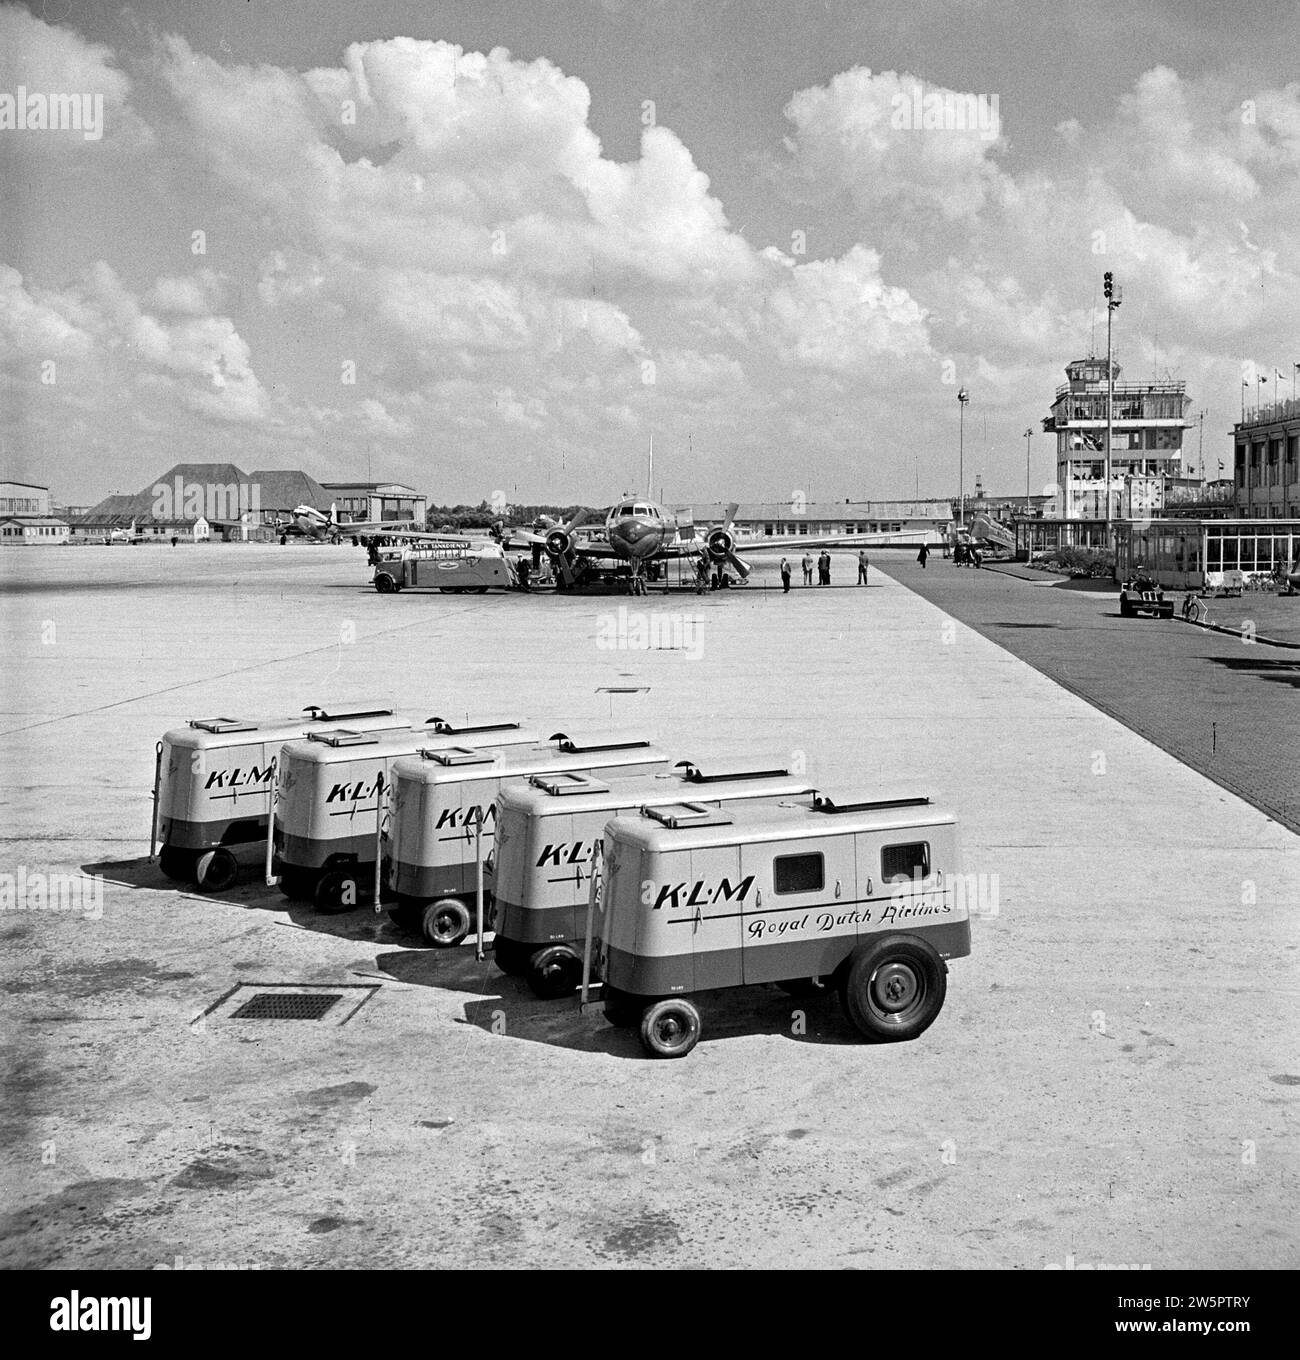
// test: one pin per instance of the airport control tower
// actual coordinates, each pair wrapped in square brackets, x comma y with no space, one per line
[1148,420]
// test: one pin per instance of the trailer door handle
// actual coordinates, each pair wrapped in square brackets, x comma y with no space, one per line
[837,887]
[869,888]
[758,898]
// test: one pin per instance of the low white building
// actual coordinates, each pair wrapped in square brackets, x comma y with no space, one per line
[25,530]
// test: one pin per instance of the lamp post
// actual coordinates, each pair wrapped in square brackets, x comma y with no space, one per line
[1114,296]
[1028,435]
[962,398]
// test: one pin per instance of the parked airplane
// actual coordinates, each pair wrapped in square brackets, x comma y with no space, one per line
[637,532]
[131,535]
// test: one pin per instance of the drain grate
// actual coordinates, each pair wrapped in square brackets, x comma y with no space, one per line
[286,1006]
[317,1004]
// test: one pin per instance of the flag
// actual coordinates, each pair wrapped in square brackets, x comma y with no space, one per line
[1278,376]
[1263,378]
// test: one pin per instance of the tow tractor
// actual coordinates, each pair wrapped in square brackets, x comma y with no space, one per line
[547,834]
[848,892]
[1142,595]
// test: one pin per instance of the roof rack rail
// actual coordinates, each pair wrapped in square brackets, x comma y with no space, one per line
[740,769]
[452,727]
[597,741]
[825,802]
[320,713]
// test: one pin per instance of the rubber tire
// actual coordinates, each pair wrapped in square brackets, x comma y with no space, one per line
[511,957]
[554,971]
[327,896]
[445,923]
[1125,610]
[875,1019]
[296,884]
[621,1010]
[216,871]
[178,865]
[670,1028]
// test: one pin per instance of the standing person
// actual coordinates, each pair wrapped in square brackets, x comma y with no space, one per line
[807,569]
[976,557]
[824,567]
[702,574]
[923,554]
[785,576]
[862,566]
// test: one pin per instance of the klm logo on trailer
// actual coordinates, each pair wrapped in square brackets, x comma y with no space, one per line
[465,817]
[237,778]
[362,791]
[700,893]
[566,852]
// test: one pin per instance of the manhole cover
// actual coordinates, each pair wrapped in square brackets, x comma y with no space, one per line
[285,1006]
[331,1004]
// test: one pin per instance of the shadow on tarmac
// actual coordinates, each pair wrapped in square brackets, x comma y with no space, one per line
[506,1005]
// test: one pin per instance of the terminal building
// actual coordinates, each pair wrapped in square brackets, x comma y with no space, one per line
[904,521]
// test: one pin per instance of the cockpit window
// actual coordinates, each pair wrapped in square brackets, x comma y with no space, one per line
[624,511]
[641,510]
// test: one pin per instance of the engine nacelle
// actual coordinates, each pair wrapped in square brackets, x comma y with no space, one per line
[558,543]
[721,545]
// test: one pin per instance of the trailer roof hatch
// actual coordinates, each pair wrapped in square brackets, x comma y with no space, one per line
[345,736]
[569,782]
[223,725]
[459,755]
[687,814]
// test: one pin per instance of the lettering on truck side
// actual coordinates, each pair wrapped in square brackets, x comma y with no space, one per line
[579,852]
[236,778]
[700,894]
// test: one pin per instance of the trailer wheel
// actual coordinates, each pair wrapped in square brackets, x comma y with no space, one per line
[554,971]
[445,923]
[1126,610]
[622,1011]
[670,1029]
[216,871]
[894,988]
[296,884]
[175,864]
[337,891]
[385,584]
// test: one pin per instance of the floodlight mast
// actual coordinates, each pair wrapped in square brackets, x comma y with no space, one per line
[1114,296]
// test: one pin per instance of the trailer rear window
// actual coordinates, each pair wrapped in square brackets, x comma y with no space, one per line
[798,873]
[905,861]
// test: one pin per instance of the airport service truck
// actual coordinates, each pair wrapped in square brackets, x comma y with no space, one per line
[442,818]
[547,834]
[453,568]
[853,892]
[212,787]
[328,792]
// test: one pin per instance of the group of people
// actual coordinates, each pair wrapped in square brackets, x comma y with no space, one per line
[966,555]
[823,565]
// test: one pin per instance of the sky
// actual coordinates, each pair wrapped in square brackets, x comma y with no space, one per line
[492,249]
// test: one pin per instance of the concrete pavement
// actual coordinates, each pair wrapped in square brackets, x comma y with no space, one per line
[1113,1076]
